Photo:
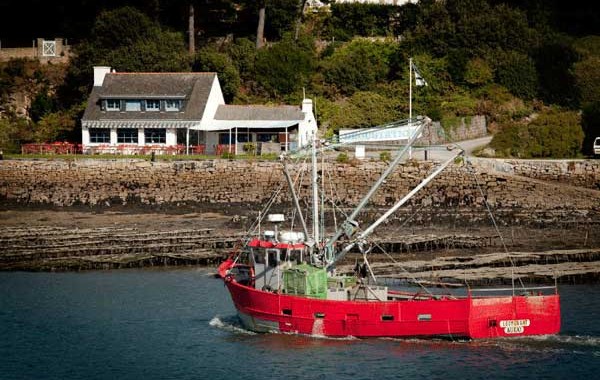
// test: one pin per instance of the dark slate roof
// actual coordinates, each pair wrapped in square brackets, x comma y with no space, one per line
[194,88]
[231,112]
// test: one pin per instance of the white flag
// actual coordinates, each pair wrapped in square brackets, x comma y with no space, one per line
[419,81]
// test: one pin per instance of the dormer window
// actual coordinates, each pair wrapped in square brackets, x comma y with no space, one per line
[152,105]
[133,105]
[113,105]
[173,105]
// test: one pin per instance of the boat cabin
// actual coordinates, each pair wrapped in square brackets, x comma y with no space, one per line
[279,262]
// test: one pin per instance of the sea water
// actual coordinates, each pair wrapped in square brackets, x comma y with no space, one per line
[181,324]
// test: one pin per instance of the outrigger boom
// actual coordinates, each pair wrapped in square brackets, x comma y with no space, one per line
[284,281]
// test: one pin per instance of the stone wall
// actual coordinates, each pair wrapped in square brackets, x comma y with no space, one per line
[460,189]
[582,173]
[467,129]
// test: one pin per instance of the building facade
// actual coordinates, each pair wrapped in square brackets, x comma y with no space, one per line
[183,113]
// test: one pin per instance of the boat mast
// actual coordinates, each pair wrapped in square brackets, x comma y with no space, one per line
[315,191]
[410,70]
[295,198]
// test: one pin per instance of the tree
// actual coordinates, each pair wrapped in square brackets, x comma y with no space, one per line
[357,66]
[41,105]
[591,126]
[209,59]
[260,29]
[554,61]
[553,133]
[191,31]
[126,40]
[516,71]
[478,72]
[363,109]
[285,66]
[243,55]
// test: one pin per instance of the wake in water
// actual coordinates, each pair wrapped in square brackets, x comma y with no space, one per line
[230,324]
[543,343]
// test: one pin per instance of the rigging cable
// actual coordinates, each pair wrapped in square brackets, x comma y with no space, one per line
[471,169]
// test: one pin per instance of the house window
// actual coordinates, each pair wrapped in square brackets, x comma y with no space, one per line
[113,105]
[266,137]
[243,138]
[133,105]
[155,136]
[224,138]
[127,136]
[152,105]
[173,105]
[100,135]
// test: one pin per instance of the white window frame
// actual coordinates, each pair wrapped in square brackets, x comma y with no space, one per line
[49,48]
[153,102]
[148,139]
[173,105]
[127,136]
[95,133]
[112,107]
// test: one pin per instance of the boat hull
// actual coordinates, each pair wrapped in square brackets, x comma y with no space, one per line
[465,317]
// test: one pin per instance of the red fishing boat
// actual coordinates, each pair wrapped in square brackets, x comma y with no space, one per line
[286,281]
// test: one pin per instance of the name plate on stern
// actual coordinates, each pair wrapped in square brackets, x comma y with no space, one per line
[514,326]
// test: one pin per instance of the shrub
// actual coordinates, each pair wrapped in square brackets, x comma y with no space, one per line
[385,156]
[228,156]
[250,148]
[342,158]
[554,133]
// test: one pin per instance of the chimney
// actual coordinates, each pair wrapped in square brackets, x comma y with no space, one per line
[307,106]
[99,73]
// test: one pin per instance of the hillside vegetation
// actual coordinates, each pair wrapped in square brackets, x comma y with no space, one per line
[532,67]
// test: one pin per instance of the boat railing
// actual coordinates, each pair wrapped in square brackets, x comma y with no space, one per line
[526,291]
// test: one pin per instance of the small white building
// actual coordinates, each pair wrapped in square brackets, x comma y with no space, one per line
[380,2]
[184,112]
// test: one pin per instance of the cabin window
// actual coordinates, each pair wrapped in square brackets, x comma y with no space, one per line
[296,255]
[127,136]
[133,105]
[286,311]
[152,105]
[155,136]
[387,317]
[113,105]
[100,135]
[258,258]
[273,257]
[173,105]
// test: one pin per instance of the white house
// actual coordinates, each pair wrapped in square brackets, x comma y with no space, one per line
[183,112]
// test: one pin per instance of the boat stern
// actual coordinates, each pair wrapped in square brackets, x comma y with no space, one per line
[511,316]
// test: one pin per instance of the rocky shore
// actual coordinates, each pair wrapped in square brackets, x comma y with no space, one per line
[59,240]
[60,215]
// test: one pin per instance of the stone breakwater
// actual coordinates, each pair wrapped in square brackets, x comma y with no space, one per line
[522,188]
[583,173]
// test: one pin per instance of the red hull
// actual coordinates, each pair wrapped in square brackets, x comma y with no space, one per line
[469,317]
